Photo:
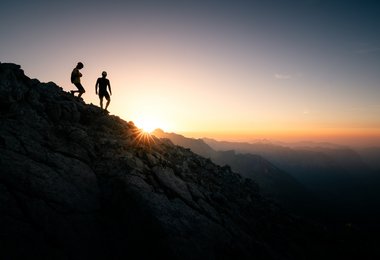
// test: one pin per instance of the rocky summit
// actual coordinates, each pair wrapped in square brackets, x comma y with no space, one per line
[78,183]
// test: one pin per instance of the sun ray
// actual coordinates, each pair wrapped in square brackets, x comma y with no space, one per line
[143,138]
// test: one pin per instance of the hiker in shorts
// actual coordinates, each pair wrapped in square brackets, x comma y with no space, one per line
[103,83]
[75,79]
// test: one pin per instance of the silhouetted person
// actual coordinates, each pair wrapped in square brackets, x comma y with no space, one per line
[75,79]
[102,83]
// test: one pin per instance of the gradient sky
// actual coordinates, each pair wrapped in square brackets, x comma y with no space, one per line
[284,70]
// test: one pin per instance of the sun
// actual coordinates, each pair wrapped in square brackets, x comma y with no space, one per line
[148,125]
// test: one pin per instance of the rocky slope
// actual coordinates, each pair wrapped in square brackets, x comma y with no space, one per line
[77,183]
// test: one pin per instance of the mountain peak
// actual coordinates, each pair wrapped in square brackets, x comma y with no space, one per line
[158,131]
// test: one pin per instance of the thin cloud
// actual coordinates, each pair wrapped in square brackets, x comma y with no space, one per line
[282,76]
[368,50]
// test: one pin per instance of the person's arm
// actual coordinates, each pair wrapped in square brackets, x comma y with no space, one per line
[109,87]
[96,86]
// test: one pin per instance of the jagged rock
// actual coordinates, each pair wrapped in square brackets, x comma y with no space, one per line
[76,183]
[167,178]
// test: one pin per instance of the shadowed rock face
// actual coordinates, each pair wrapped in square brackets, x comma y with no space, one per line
[78,183]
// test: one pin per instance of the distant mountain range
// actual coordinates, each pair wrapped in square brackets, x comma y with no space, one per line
[273,182]
[371,156]
[331,178]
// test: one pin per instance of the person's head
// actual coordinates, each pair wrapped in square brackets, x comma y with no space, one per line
[80,65]
[104,74]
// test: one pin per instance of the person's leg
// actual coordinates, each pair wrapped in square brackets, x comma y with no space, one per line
[77,85]
[80,89]
[81,93]
[108,103]
[101,102]
[108,100]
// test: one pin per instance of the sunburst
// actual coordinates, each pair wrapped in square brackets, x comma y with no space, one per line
[144,138]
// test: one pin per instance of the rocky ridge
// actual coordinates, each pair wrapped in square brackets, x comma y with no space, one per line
[77,183]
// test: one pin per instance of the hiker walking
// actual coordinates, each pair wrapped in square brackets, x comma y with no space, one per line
[102,83]
[75,79]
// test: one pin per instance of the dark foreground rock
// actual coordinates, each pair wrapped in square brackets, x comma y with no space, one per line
[77,183]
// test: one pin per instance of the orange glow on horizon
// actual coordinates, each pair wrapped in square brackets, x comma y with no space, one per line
[356,137]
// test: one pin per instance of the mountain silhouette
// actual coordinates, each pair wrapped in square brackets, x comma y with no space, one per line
[77,183]
[272,181]
[336,175]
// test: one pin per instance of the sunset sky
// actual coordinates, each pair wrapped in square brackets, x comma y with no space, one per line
[236,70]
